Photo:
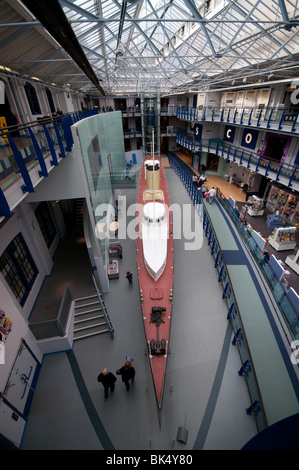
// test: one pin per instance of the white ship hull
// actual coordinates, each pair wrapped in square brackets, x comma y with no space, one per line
[154,231]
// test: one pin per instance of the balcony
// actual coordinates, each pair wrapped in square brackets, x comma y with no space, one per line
[29,152]
[284,173]
[275,119]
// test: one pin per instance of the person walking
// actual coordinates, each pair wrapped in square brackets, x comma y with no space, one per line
[129,276]
[127,372]
[108,381]
[212,195]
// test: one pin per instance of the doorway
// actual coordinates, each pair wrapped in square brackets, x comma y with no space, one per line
[276,147]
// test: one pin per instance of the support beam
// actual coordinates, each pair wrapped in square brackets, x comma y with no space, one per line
[52,17]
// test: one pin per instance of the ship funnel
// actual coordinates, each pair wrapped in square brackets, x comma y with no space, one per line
[153,180]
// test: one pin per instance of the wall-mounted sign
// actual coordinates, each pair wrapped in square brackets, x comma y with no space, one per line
[229,133]
[249,138]
[197,130]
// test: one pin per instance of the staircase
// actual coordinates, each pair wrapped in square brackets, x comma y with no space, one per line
[90,317]
[79,206]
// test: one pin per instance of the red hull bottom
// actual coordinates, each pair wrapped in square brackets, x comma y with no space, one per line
[156,293]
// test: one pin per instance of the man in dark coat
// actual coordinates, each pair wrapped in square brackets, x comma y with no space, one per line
[108,380]
[127,373]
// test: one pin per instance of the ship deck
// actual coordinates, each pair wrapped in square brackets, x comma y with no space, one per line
[202,392]
[156,293]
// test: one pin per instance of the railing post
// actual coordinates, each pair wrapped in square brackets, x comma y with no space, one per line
[269,119]
[54,161]
[281,119]
[28,186]
[4,207]
[43,169]
[295,122]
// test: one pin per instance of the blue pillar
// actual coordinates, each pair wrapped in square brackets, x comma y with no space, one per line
[61,147]
[229,314]
[39,156]
[4,207]
[27,187]
[237,336]
[245,367]
[295,122]
[51,146]
[254,407]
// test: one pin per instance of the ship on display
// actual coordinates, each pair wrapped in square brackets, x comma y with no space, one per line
[155,266]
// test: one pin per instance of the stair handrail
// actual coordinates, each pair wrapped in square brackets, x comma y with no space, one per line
[109,324]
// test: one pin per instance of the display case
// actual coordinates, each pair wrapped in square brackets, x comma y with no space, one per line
[286,203]
[256,206]
[113,271]
[293,261]
[283,238]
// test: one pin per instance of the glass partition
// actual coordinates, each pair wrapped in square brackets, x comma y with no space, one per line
[101,147]
[56,326]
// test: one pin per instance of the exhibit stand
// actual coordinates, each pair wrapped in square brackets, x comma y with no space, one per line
[256,206]
[286,203]
[113,271]
[283,238]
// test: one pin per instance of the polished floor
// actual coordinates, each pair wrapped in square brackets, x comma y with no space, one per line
[203,395]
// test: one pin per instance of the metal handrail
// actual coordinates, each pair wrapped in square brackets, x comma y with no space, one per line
[224,202]
[109,324]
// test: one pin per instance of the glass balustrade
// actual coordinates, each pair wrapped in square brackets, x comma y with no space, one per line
[283,301]
[26,147]
[57,325]
[240,340]
[261,116]
[253,161]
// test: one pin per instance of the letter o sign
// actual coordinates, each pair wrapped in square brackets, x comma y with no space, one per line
[248,138]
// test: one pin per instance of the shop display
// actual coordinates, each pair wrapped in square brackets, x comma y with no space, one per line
[293,261]
[256,206]
[285,203]
[115,249]
[274,220]
[113,271]
[283,238]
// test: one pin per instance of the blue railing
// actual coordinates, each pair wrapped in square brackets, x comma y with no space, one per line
[275,118]
[283,300]
[247,368]
[28,146]
[257,163]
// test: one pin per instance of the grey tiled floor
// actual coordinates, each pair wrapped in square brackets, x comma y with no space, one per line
[203,392]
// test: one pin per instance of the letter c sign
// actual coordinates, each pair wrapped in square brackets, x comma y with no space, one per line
[229,133]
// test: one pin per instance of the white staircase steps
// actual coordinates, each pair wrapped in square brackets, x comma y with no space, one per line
[89,318]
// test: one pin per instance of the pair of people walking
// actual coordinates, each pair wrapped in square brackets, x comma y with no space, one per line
[108,379]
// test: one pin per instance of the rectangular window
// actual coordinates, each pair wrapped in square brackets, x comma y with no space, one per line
[18,268]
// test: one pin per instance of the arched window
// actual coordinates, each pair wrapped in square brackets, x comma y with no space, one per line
[32,98]
[50,100]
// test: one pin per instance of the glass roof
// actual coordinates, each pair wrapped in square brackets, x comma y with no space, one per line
[178,44]
[174,46]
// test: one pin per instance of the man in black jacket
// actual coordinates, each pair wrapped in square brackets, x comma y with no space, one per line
[127,373]
[108,380]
